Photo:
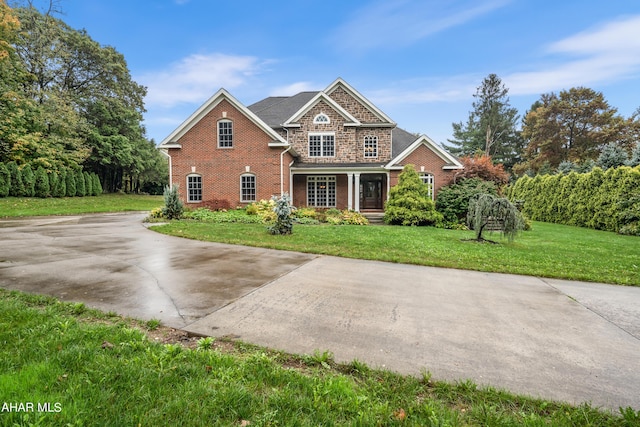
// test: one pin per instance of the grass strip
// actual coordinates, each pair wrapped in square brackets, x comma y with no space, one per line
[89,368]
[112,202]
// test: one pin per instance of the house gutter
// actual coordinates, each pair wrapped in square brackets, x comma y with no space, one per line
[166,153]
[282,164]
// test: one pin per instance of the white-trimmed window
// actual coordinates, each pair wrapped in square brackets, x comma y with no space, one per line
[225,134]
[322,145]
[194,188]
[321,191]
[427,179]
[321,119]
[248,187]
[370,146]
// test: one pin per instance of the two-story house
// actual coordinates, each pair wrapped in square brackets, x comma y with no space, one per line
[331,148]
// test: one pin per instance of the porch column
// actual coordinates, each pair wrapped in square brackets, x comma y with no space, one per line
[350,190]
[357,199]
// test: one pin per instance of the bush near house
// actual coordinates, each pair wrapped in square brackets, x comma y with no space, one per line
[453,200]
[601,200]
[410,202]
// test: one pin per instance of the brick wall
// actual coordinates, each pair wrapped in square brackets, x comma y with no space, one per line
[221,168]
[426,161]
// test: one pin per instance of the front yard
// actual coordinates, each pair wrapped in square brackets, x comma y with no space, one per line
[548,250]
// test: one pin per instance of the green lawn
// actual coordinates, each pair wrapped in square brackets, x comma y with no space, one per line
[548,250]
[92,368]
[31,206]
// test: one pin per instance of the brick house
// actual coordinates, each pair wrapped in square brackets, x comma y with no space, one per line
[331,148]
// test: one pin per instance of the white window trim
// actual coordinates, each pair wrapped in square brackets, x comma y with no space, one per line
[326,179]
[255,188]
[319,119]
[322,135]
[374,139]
[218,133]
[189,200]
[428,179]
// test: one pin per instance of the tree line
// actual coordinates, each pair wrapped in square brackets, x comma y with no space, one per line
[69,105]
[575,129]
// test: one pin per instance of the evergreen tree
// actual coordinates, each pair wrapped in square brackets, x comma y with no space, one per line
[96,185]
[88,183]
[81,189]
[491,127]
[634,160]
[173,207]
[410,202]
[54,183]
[5,180]
[17,186]
[41,187]
[612,156]
[29,181]
[62,184]
[70,182]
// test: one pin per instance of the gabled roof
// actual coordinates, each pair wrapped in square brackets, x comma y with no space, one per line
[321,96]
[452,162]
[276,110]
[339,82]
[171,141]
[400,140]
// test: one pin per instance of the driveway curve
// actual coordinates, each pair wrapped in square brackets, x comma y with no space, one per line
[571,341]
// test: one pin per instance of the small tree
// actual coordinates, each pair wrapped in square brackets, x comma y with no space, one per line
[41,187]
[634,160]
[28,180]
[284,219]
[70,182]
[17,186]
[410,202]
[173,207]
[612,156]
[96,187]
[81,189]
[88,183]
[61,189]
[5,180]
[481,166]
[486,208]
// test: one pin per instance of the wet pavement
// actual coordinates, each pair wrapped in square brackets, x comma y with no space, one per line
[571,341]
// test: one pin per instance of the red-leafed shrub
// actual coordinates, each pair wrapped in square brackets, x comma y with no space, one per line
[481,166]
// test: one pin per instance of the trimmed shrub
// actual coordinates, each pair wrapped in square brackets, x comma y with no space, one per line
[600,200]
[41,188]
[53,183]
[88,183]
[410,202]
[17,186]
[70,181]
[96,186]
[453,200]
[61,189]
[29,181]
[81,189]
[173,207]
[5,180]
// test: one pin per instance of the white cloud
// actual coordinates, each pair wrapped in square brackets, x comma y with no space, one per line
[403,22]
[293,89]
[196,77]
[426,90]
[608,53]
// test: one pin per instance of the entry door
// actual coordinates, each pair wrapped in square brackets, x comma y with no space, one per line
[370,192]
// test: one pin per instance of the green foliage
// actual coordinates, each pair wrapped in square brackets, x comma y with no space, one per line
[284,220]
[29,181]
[5,180]
[263,209]
[81,188]
[70,183]
[634,160]
[601,200]
[96,185]
[61,189]
[17,186]
[410,202]
[173,207]
[41,188]
[453,200]
[485,208]
[88,183]
[612,156]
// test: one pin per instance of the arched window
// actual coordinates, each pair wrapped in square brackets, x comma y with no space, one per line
[321,119]
[370,146]
[225,133]
[247,187]
[194,188]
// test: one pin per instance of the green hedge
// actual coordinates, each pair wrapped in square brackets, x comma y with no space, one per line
[23,181]
[600,200]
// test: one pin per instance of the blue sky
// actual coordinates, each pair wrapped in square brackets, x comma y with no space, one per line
[418,61]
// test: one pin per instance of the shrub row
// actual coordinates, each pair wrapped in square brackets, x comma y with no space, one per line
[601,200]
[23,181]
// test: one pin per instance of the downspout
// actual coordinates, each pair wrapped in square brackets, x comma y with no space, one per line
[282,164]
[166,153]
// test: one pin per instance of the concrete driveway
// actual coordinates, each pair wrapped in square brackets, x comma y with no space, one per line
[554,339]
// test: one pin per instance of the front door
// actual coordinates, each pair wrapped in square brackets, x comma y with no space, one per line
[370,192]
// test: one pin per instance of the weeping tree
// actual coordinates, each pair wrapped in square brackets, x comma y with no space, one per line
[486,209]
